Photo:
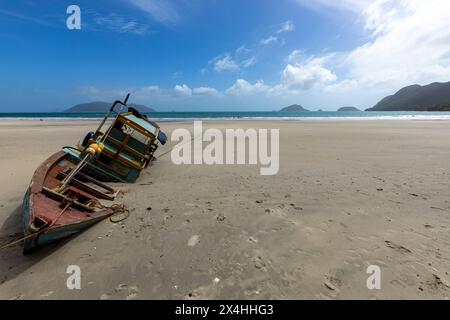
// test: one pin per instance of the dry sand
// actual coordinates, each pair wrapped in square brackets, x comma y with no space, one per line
[349,194]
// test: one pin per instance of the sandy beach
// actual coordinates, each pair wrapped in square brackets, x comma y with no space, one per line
[348,194]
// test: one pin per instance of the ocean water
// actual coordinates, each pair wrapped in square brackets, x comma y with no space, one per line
[250,115]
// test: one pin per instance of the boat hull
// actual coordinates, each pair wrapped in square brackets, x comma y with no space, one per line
[41,208]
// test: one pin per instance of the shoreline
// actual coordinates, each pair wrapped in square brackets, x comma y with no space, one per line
[179,116]
[243,119]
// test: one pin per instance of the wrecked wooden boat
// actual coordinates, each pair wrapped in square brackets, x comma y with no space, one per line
[51,213]
[65,193]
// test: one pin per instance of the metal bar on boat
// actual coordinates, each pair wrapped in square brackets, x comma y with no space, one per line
[111,110]
[84,187]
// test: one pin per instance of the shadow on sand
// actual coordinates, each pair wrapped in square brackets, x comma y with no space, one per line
[12,260]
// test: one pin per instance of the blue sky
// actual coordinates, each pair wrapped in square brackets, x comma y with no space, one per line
[206,55]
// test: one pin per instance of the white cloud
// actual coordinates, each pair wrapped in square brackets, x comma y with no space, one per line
[154,95]
[224,63]
[243,87]
[162,11]
[206,91]
[379,15]
[147,94]
[342,87]
[269,40]
[350,5]
[150,89]
[307,76]
[242,50]
[115,22]
[286,26]
[408,43]
[112,94]
[248,62]
[295,78]
[295,56]
[182,90]
[26,18]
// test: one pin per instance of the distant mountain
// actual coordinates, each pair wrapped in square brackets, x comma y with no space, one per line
[432,97]
[294,107]
[348,109]
[100,106]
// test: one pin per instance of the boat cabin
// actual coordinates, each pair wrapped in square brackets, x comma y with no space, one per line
[129,144]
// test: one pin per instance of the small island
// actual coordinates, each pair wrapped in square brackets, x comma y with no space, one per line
[348,109]
[101,106]
[294,108]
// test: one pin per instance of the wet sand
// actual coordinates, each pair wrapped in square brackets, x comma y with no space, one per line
[348,194]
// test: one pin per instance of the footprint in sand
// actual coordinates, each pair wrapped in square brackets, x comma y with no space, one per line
[193,241]
[104,296]
[252,239]
[279,213]
[293,205]
[131,291]
[18,297]
[276,212]
[46,295]
[120,287]
[209,291]
[259,263]
[397,247]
